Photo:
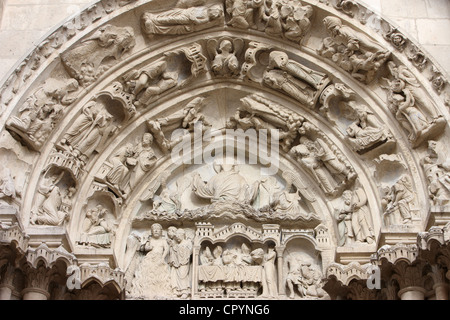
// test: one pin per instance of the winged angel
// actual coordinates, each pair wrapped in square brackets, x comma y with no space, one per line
[168,201]
[224,53]
[287,202]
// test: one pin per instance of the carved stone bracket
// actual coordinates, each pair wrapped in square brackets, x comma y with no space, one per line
[103,274]
[396,253]
[346,273]
[14,234]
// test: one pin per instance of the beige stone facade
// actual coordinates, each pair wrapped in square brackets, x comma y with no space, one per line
[225,149]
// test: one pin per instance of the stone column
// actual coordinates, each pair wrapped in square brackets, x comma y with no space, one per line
[194,277]
[37,284]
[6,285]
[412,293]
[6,291]
[440,286]
[441,291]
[281,286]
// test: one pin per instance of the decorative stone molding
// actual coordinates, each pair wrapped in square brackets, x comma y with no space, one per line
[14,234]
[48,256]
[395,253]
[346,273]
[103,274]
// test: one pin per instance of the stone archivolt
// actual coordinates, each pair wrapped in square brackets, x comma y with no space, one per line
[103,211]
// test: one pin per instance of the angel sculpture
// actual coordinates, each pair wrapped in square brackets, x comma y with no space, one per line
[415,112]
[288,203]
[168,201]
[225,62]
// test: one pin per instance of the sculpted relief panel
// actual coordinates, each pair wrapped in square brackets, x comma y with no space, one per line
[224,149]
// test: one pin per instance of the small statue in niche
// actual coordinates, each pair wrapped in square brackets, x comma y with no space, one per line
[304,276]
[87,131]
[181,248]
[7,185]
[352,51]
[438,176]
[269,274]
[96,230]
[51,202]
[225,62]
[399,202]
[353,219]
[121,161]
[414,111]
[366,132]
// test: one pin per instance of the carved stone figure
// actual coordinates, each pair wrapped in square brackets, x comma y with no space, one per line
[269,282]
[87,131]
[352,50]
[87,61]
[145,159]
[152,81]
[42,111]
[258,113]
[49,209]
[180,21]
[366,132]
[7,185]
[287,19]
[353,219]
[225,62]
[400,201]
[296,80]
[96,230]
[180,264]
[305,277]
[168,201]
[438,176]
[414,111]
[152,278]
[287,202]
[325,166]
[185,118]
[227,185]
[120,170]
